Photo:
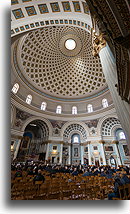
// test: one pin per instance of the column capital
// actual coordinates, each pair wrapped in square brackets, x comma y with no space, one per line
[115,142]
[61,142]
[88,142]
[16,137]
[98,42]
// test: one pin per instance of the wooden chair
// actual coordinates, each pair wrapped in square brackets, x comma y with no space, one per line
[66,192]
[54,193]
[127,191]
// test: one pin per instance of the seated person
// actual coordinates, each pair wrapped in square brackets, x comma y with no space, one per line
[30,171]
[109,174]
[124,178]
[103,173]
[117,183]
[87,173]
[75,172]
[18,174]
[95,171]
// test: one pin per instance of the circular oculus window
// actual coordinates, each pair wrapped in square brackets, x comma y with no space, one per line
[70,44]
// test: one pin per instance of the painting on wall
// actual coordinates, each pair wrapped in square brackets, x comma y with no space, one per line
[86,149]
[25,142]
[65,151]
[57,124]
[54,147]
[109,148]
[92,123]
[95,148]
[76,152]
[126,150]
[22,115]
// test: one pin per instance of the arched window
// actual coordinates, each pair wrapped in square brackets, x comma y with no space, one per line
[90,108]
[15,88]
[122,135]
[58,110]
[29,99]
[74,110]
[104,103]
[75,138]
[43,106]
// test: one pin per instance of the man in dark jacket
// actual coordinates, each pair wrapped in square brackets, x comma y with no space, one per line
[39,177]
[117,183]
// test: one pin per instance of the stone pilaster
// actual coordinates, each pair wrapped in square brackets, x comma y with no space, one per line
[61,152]
[110,72]
[89,154]
[69,151]
[115,142]
[102,151]
[47,152]
[82,154]
[17,148]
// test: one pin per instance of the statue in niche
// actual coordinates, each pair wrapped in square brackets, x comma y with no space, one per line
[93,131]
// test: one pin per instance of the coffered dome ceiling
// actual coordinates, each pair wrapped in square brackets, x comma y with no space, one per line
[52,69]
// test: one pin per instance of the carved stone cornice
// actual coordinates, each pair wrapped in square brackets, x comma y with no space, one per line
[55,142]
[98,42]
[16,137]
[101,141]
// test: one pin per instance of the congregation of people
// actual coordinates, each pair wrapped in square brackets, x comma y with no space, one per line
[120,174]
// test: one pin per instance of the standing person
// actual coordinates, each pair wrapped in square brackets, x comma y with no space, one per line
[39,177]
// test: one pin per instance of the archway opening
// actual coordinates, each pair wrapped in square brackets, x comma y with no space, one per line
[33,144]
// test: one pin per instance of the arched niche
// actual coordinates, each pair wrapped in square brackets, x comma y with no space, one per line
[29,120]
[101,121]
[81,124]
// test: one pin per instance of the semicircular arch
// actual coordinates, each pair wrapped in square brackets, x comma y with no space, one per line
[101,121]
[29,120]
[82,125]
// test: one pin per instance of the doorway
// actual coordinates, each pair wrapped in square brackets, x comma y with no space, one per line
[96,162]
